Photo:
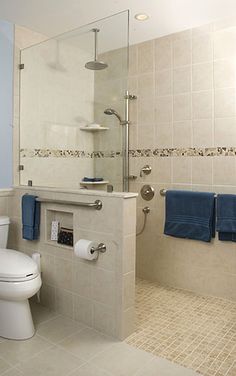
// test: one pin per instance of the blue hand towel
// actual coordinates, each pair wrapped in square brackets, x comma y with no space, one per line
[30,217]
[190,215]
[226,217]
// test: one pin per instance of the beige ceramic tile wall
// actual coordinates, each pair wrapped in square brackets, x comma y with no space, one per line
[186,98]
[5,197]
[52,109]
[98,293]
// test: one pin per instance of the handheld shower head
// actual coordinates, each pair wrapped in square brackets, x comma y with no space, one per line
[111,111]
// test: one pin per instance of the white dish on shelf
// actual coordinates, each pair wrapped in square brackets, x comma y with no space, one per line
[94,182]
[93,128]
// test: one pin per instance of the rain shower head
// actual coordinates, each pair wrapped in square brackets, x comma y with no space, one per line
[95,64]
[110,111]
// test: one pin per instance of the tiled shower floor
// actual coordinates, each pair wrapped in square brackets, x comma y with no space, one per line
[194,331]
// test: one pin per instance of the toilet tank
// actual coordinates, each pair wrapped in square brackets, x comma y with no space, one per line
[4,227]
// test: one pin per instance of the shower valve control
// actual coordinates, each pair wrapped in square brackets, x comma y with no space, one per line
[147,192]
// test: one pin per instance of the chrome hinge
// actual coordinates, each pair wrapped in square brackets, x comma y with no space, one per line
[131,97]
[21,167]
[21,66]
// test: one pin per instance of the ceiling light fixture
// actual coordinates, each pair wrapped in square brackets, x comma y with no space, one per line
[141,16]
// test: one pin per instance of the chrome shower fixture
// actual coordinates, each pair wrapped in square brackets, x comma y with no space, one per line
[96,64]
[111,111]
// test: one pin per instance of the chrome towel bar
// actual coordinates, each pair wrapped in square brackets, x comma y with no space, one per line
[95,205]
[163,192]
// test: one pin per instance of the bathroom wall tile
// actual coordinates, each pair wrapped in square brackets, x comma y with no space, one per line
[202,170]
[164,111]
[202,30]
[225,103]
[63,273]
[182,107]
[64,302]
[128,325]
[105,319]
[146,57]
[164,135]
[225,43]
[133,60]
[181,170]
[83,310]
[129,254]
[164,82]
[128,290]
[224,171]
[145,111]
[146,86]
[82,279]
[162,170]
[202,105]
[182,136]
[202,133]
[225,131]
[202,49]
[163,53]
[182,50]
[182,80]
[103,286]
[224,73]
[48,296]
[145,137]
[202,76]
[48,268]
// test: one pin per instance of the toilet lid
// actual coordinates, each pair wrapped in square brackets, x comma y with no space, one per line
[16,266]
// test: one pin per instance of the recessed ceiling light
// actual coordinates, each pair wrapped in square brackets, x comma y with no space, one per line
[141,17]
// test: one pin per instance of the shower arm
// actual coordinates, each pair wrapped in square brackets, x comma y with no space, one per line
[95,44]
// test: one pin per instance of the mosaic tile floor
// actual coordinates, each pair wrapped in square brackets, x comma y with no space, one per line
[194,331]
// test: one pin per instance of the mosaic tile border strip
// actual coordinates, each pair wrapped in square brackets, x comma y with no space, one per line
[184,152]
[60,153]
[137,153]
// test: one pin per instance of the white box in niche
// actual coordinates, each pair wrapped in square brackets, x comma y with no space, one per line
[55,230]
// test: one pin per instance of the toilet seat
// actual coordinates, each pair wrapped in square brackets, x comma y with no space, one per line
[16,266]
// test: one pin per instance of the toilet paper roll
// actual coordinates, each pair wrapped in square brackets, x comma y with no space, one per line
[83,249]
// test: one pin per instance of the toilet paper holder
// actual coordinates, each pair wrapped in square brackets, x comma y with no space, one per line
[100,248]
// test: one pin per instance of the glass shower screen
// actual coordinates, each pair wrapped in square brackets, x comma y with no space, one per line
[65,86]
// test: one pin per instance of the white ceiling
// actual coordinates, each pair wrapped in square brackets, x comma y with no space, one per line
[52,17]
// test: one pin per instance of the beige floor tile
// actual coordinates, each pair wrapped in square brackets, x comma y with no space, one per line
[59,328]
[13,372]
[164,367]
[52,362]
[90,370]
[3,366]
[87,343]
[122,360]
[16,351]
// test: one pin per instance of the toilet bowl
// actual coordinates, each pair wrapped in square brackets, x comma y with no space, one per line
[19,280]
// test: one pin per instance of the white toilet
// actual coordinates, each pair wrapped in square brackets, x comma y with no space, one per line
[20,279]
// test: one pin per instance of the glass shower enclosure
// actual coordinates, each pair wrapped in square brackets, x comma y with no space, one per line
[66,85]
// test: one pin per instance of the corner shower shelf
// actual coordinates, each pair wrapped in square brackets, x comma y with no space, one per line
[104,182]
[93,129]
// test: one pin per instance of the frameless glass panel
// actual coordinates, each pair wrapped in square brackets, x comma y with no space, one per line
[59,100]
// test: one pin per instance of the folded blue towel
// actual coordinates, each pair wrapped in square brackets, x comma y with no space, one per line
[92,180]
[226,217]
[190,215]
[30,217]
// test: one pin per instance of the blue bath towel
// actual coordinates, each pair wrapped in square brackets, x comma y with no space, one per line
[226,217]
[190,215]
[30,217]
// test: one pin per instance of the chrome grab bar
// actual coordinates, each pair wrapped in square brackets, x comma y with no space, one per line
[96,205]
